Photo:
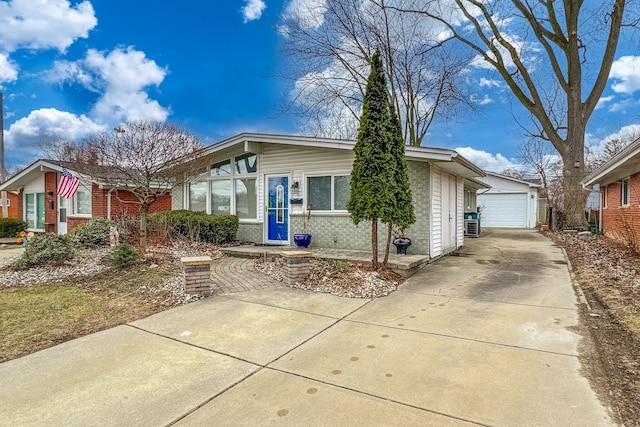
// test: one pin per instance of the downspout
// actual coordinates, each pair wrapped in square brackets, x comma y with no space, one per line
[109,203]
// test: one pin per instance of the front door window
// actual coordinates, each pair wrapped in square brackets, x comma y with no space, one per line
[278,209]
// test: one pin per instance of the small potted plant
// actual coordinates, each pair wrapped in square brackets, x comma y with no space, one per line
[401,242]
[303,240]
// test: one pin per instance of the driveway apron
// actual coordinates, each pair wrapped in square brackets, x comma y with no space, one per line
[486,336]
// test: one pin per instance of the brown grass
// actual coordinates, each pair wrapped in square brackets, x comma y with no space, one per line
[35,318]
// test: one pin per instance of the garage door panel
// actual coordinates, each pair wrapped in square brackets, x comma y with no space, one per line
[503,210]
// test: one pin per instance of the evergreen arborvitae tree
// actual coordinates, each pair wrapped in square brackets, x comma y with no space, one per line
[372,177]
[402,215]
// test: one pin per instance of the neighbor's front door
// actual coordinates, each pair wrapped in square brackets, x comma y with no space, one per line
[62,215]
[278,209]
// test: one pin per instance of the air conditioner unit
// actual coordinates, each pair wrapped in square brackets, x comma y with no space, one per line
[471,228]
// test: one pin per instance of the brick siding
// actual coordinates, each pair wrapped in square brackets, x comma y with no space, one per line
[622,223]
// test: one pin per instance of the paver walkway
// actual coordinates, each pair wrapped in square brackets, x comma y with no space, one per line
[231,274]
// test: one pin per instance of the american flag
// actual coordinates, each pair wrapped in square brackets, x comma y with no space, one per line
[68,184]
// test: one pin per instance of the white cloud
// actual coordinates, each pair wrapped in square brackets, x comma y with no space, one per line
[489,82]
[120,76]
[482,101]
[626,133]
[487,161]
[42,126]
[604,100]
[43,24]
[8,71]
[626,72]
[308,13]
[252,10]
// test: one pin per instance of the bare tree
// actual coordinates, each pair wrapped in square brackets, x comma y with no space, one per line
[145,158]
[331,48]
[560,91]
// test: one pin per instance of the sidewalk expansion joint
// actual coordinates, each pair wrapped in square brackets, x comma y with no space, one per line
[437,334]
[375,396]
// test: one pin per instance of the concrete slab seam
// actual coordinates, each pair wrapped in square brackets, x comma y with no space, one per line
[556,353]
[194,345]
[386,399]
[487,300]
[210,399]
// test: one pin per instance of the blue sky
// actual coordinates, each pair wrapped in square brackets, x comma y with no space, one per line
[70,68]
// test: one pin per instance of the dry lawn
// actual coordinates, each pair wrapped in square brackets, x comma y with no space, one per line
[34,318]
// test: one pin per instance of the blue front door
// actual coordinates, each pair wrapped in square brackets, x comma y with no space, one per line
[278,209]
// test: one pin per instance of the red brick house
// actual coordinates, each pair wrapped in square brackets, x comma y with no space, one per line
[618,181]
[38,204]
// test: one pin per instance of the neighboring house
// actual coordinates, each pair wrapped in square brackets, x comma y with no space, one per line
[11,199]
[509,203]
[269,180]
[619,185]
[43,211]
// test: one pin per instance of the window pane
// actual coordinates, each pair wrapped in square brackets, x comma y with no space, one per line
[319,192]
[247,163]
[221,197]
[31,210]
[83,199]
[221,169]
[246,198]
[40,210]
[198,197]
[342,189]
[625,192]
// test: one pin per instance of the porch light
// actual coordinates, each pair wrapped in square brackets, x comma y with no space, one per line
[295,188]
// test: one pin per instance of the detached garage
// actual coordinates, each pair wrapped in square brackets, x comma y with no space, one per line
[509,203]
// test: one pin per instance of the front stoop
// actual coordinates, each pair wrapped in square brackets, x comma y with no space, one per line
[405,265]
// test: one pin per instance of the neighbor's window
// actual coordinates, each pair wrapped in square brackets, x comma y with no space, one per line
[605,197]
[198,197]
[624,197]
[328,193]
[82,203]
[34,210]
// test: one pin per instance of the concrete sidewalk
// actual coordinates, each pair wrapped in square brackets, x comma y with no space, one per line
[485,337]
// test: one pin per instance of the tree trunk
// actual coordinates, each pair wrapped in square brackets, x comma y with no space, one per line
[386,252]
[144,211]
[374,243]
[574,197]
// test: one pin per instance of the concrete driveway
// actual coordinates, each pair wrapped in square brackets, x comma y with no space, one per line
[483,337]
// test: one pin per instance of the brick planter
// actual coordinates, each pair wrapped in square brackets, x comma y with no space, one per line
[197,275]
[296,266]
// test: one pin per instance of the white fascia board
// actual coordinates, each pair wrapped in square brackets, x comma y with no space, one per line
[28,174]
[609,167]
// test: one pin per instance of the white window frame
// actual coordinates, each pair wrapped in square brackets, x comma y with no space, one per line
[333,189]
[625,202]
[233,177]
[605,197]
[74,204]
[35,211]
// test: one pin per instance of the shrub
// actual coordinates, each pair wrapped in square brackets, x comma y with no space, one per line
[93,234]
[46,248]
[198,226]
[123,255]
[10,227]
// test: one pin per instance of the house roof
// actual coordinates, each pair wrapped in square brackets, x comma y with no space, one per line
[31,172]
[475,185]
[512,179]
[623,164]
[449,160]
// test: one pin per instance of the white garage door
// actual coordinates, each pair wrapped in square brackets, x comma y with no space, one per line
[503,210]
